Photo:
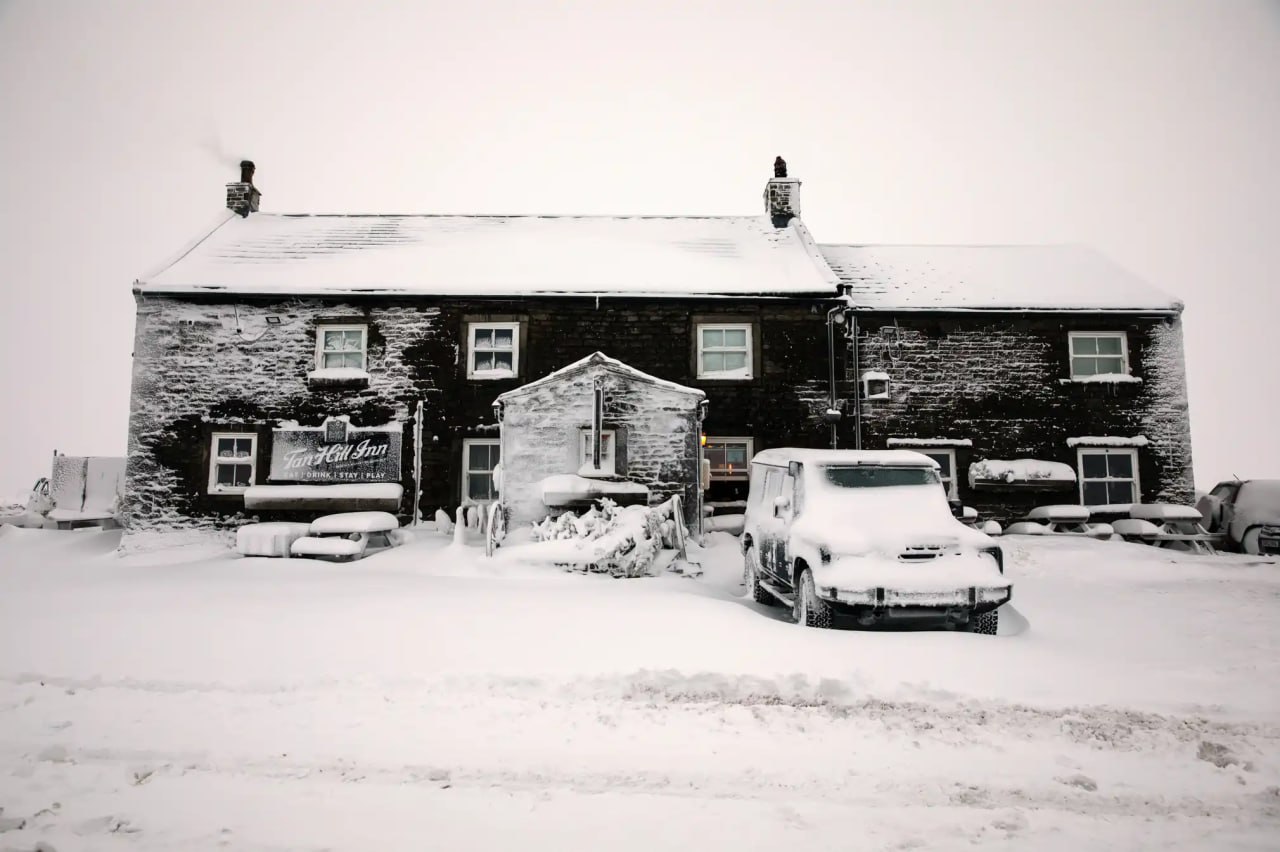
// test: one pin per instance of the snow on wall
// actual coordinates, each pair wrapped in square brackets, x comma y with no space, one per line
[1165,415]
[655,427]
[199,366]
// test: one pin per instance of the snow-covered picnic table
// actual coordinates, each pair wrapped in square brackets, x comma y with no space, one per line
[1167,525]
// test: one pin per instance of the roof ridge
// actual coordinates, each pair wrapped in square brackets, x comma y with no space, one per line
[738,216]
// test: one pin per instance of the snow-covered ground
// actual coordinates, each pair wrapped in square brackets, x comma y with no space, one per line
[426,697]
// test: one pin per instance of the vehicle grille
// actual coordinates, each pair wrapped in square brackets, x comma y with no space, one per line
[921,552]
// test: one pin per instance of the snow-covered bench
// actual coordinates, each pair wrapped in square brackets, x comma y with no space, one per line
[272,539]
[1067,519]
[1167,525]
[346,535]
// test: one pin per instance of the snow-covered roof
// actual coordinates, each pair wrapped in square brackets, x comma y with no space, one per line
[274,254]
[613,365]
[990,278]
[782,456]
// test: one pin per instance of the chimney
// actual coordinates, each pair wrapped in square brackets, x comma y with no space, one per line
[781,195]
[243,197]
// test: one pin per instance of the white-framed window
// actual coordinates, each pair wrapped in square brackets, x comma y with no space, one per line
[724,351]
[729,457]
[1099,353]
[607,446]
[479,457]
[1108,476]
[341,346]
[946,459]
[233,461]
[493,350]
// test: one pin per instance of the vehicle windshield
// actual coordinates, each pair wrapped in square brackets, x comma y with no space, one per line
[874,476]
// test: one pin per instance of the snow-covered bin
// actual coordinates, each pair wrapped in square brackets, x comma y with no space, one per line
[567,489]
[271,539]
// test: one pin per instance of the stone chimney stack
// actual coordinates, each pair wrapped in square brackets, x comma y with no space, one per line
[242,197]
[781,195]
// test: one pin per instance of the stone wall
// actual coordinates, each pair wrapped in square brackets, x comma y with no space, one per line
[1003,382]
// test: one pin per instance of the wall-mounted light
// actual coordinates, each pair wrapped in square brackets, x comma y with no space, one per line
[273,320]
[703,439]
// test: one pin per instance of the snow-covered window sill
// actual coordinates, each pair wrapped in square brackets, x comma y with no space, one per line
[1102,379]
[491,375]
[330,377]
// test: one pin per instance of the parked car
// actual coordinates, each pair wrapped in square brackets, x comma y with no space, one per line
[866,537]
[1247,512]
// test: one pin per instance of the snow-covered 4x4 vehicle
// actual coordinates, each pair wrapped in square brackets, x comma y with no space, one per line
[866,537]
[1247,513]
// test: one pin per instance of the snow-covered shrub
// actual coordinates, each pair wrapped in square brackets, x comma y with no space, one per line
[622,542]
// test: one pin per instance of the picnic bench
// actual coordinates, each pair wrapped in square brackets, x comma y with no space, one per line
[342,536]
[1167,525]
[1067,519]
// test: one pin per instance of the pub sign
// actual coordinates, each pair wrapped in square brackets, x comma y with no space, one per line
[335,452]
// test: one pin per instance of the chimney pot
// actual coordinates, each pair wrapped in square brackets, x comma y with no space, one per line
[246,171]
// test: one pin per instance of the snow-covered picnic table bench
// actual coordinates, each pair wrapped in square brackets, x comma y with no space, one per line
[1167,525]
[345,535]
[1065,519]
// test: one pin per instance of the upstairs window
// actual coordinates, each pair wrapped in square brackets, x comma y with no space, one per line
[479,458]
[233,460]
[340,347]
[1108,476]
[1099,353]
[493,350]
[724,351]
[729,457]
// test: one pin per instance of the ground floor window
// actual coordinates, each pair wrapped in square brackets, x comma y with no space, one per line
[233,460]
[946,459]
[607,450]
[729,457]
[1108,476]
[479,457]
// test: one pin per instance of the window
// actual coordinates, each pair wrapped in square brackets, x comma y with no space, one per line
[946,460]
[233,459]
[1099,353]
[607,446]
[341,347]
[479,458]
[728,457]
[724,351]
[876,476]
[1108,476]
[493,350]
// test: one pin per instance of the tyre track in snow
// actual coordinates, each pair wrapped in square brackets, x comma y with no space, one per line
[652,733]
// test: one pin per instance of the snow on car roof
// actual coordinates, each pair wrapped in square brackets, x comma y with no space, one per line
[977,278]
[782,456]
[278,254]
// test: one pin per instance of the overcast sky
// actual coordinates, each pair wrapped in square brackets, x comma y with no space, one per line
[1147,129]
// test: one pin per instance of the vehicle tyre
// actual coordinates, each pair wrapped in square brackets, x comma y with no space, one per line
[986,623]
[810,610]
[1249,541]
[751,576]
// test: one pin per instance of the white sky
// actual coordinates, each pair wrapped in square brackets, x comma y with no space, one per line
[1147,129]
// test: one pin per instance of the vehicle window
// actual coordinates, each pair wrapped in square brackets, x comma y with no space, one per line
[876,477]
[1223,492]
[772,485]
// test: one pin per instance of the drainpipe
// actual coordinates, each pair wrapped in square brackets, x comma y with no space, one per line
[834,315]
[857,383]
